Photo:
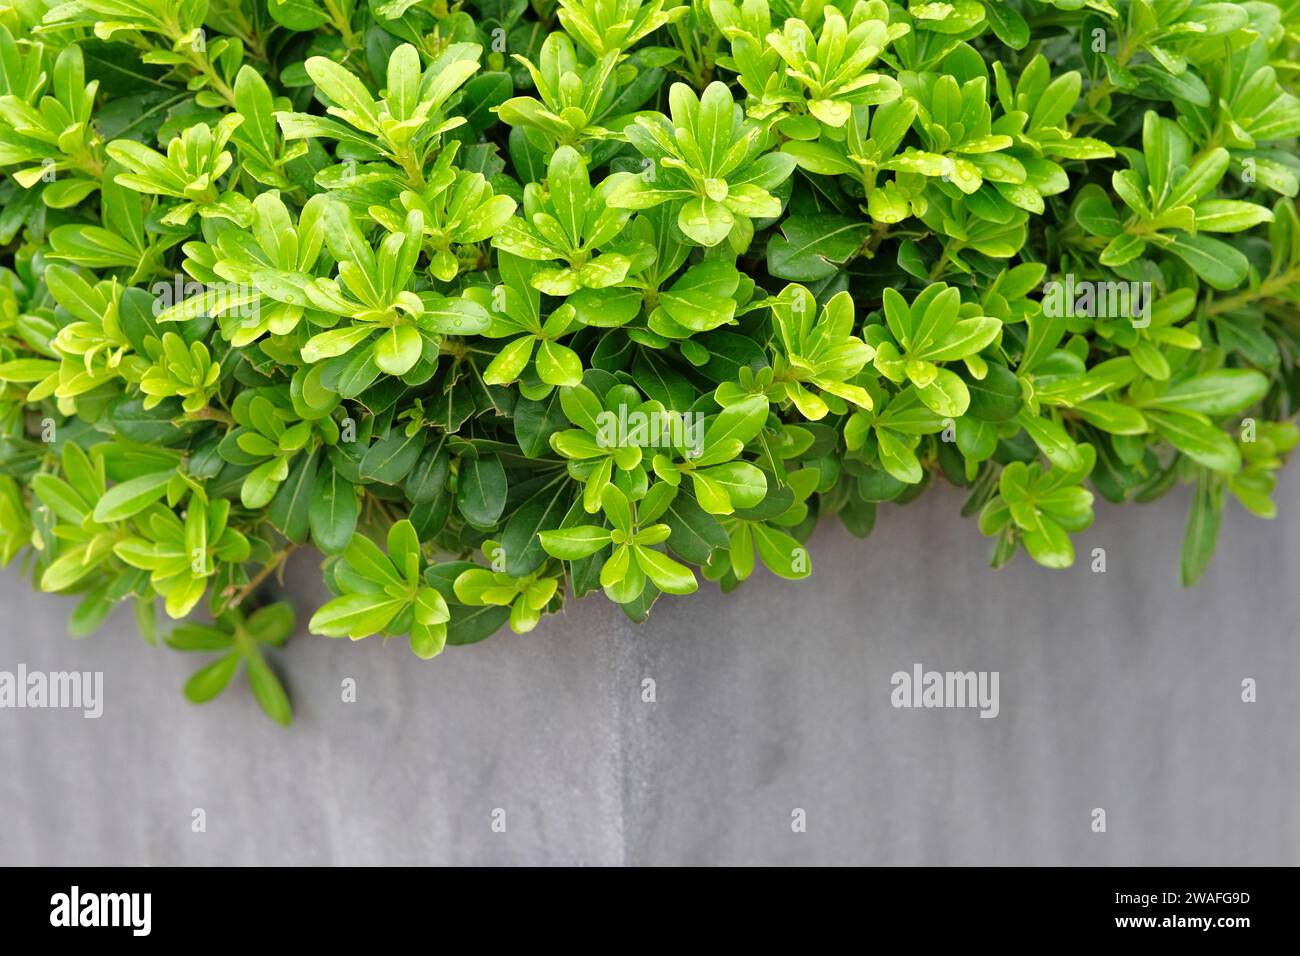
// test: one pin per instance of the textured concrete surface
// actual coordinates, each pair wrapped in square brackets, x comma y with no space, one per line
[1118,691]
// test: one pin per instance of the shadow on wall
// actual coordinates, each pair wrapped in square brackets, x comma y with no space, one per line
[756,727]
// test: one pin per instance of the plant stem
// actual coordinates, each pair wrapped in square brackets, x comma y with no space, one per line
[277,560]
[1266,290]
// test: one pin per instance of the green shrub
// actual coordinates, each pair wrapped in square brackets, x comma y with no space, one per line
[615,294]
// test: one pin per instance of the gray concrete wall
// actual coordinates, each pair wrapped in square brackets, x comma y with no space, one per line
[1118,690]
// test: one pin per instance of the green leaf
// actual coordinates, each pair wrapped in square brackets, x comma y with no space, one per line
[364,557]
[272,623]
[1201,535]
[391,459]
[1053,441]
[26,370]
[332,511]
[780,553]
[355,615]
[298,15]
[1230,215]
[946,395]
[696,534]
[268,690]
[744,484]
[510,362]
[397,350]
[66,570]
[1008,25]
[557,365]
[615,505]
[705,221]
[1098,217]
[290,509]
[740,421]
[1114,417]
[345,90]
[1222,266]
[209,681]
[131,497]
[536,422]
[994,398]
[59,496]
[481,490]
[468,625]
[570,544]
[520,537]
[1048,544]
[1199,441]
[1220,392]
[667,575]
[253,100]
[897,458]
[814,247]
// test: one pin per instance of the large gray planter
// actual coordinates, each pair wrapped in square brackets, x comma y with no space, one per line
[1118,690]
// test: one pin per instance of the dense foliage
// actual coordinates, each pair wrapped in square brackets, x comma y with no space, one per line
[501,301]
